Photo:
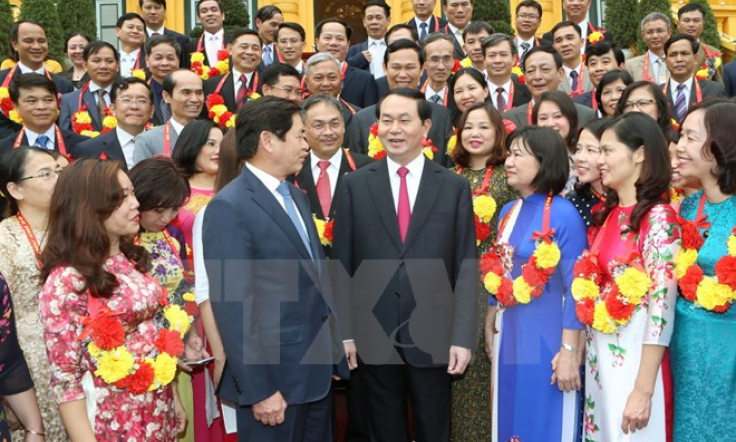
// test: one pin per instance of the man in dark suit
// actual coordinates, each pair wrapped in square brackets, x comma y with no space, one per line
[101,59]
[267,21]
[282,80]
[358,87]
[459,13]
[600,59]
[576,11]
[34,98]
[211,16]
[270,287]
[154,14]
[528,18]
[408,223]
[691,21]
[683,89]
[243,79]
[132,106]
[543,72]
[404,63]
[130,30]
[368,55]
[28,40]
[437,50]
[290,45]
[473,36]
[499,53]
[424,21]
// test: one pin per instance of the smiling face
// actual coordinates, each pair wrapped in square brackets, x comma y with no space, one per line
[210,15]
[598,66]
[376,22]
[618,165]
[334,39]
[527,20]
[586,157]
[187,98]
[551,116]
[655,34]
[403,69]
[691,23]
[692,161]
[479,135]
[124,221]
[541,73]
[324,130]
[467,92]
[246,53]
[472,47]
[32,45]
[290,45]
[576,10]
[133,108]
[439,60]
[400,128]
[208,159]
[75,49]
[610,95]
[38,107]
[102,67]
[267,28]
[132,33]
[521,168]
[568,43]
[161,61]
[324,77]
[641,100]
[499,61]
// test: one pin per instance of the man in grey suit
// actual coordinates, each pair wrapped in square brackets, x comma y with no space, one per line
[650,66]
[404,63]
[543,72]
[184,93]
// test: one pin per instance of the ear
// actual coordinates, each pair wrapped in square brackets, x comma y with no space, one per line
[265,140]
[639,156]
[165,95]
[426,126]
[266,90]
[15,191]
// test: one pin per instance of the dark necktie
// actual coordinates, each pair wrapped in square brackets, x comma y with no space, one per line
[681,103]
[165,111]
[423,32]
[524,49]
[500,101]
[574,80]
[101,105]
[242,92]
[435,98]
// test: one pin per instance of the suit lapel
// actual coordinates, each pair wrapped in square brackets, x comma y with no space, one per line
[306,182]
[429,188]
[344,170]
[91,101]
[380,190]
[228,93]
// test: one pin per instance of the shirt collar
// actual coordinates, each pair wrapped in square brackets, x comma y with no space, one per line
[428,21]
[133,54]
[652,56]
[236,75]
[271,182]
[440,92]
[584,28]
[454,29]
[178,127]
[123,136]
[334,160]
[150,31]
[26,70]
[416,166]
[94,87]
[493,86]
[33,136]
[578,68]
[379,42]
[218,34]
[688,85]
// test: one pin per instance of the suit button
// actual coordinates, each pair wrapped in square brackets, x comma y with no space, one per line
[398,295]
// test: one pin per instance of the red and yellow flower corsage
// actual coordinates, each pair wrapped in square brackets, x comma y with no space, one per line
[516,70]
[613,307]
[713,293]
[206,72]
[324,229]
[596,36]
[7,106]
[82,123]
[104,336]
[377,152]
[218,111]
[139,74]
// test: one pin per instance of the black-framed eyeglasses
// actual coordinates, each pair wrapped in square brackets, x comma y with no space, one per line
[44,174]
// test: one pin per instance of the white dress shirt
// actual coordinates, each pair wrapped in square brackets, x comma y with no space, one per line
[494,96]
[26,70]
[457,33]
[127,144]
[150,31]
[519,49]
[655,66]
[584,28]
[413,178]
[178,127]
[333,172]
[272,183]
[688,88]
[213,43]
[578,69]
[429,93]
[127,62]
[237,84]
[377,48]
[50,132]
[94,87]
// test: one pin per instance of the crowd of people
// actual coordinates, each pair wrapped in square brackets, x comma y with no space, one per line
[442,233]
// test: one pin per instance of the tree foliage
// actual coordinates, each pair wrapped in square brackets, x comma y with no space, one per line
[78,16]
[44,12]
[496,13]
[623,21]
[236,17]
[646,7]
[6,22]
[710,27]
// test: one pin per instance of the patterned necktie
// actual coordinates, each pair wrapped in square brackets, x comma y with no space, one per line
[267,57]
[681,102]
[43,142]
[101,105]
[324,191]
[661,71]
[290,208]
[242,92]
[524,49]
[404,212]
[574,80]
[165,111]
[435,98]
[500,101]
[423,32]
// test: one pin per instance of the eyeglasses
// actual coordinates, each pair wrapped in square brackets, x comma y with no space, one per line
[321,125]
[44,174]
[527,17]
[295,93]
[434,61]
[129,101]
[641,104]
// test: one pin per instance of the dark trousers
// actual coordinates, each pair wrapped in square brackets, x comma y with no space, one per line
[310,422]
[429,391]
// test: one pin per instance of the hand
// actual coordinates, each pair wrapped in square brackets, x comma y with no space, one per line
[490,331]
[194,349]
[351,353]
[367,55]
[636,413]
[180,415]
[459,360]
[565,371]
[270,411]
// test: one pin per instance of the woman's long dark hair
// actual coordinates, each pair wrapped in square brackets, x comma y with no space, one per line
[595,127]
[567,107]
[87,193]
[190,143]
[639,131]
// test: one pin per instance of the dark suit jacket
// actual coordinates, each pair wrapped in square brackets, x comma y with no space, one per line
[522,95]
[729,78]
[70,105]
[271,300]
[459,51]
[359,128]
[356,57]
[183,40]
[7,127]
[107,144]
[607,36]
[359,87]
[227,91]
[435,25]
[71,141]
[519,115]
[430,281]
[709,89]
[586,99]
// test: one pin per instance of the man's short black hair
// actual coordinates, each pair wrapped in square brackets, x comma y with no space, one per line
[400,44]
[602,48]
[423,107]
[530,4]
[267,114]
[379,3]
[158,2]
[564,24]
[123,84]
[129,16]
[29,81]
[677,37]
[266,13]
[296,27]
[320,25]
[156,40]
[96,46]
[546,49]
[690,7]
[273,73]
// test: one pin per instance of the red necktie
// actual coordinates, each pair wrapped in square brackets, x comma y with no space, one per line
[324,193]
[404,212]
[240,99]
